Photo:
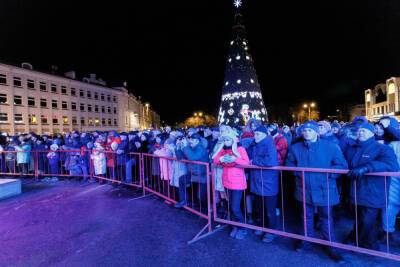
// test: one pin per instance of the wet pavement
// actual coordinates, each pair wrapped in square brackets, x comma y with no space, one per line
[69,223]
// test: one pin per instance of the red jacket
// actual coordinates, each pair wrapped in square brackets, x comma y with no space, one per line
[233,178]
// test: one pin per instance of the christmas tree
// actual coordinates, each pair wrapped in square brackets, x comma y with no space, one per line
[241,95]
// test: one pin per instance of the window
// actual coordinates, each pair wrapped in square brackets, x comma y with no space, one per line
[31,101]
[18,118]
[115,110]
[108,98]
[53,88]
[82,120]
[114,98]
[17,100]
[108,109]
[103,109]
[64,105]
[96,95]
[42,86]
[65,120]
[109,122]
[74,121]
[81,93]
[89,94]
[90,122]
[3,99]
[31,84]
[17,82]
[96,108]
[63,90]
[97,122]
[32,119]
[3,117]
[73,105]
[82,107]
[89,108]
[73,91]
[103,121]
[115,122]
[43,103]
[54,104]
[3,79]
[43,119]
[102,97]
[55,119]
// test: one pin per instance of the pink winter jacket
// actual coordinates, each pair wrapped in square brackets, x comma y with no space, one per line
[232,177]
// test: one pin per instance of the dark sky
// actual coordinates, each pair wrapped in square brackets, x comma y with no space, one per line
[173,53]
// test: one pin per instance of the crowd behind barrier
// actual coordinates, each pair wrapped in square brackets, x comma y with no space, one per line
[266,178]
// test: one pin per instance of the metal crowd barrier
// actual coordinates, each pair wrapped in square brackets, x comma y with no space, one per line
[283,229]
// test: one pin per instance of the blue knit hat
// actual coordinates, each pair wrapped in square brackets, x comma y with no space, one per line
[313,125]
[262,129]
[335,125]
[367,126]
[393,121]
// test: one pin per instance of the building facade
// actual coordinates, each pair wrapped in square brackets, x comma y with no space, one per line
[33,101]
[383,100]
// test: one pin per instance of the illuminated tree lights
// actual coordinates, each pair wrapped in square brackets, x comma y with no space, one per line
[241,95]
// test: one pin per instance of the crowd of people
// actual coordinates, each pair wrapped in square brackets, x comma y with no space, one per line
[236,154]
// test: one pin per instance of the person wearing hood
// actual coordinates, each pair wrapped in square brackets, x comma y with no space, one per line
[325,132]
[287,134]
[193,150]
[391,128]
[369,156]
[228,154]
[40,153]
[280,142]
[321,192]
[23,155]
[131,162]
[335,127]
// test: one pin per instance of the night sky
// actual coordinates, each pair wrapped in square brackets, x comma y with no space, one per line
[173,53]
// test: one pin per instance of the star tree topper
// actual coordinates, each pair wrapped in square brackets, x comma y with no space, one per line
[237,3]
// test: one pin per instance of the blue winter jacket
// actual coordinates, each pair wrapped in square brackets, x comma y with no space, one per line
[197,172]
[371,190]
[320,154]
[263,154]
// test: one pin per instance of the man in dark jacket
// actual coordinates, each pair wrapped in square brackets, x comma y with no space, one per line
[369,156]
[193,150]
[264,183]
[321,189]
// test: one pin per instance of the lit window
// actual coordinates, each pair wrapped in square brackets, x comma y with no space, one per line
[392,88]
[43,119]
[368,97]
[32,119]
[97,121]
[90,122]
[65,119]
[18,118]
[17,100]
[238,81]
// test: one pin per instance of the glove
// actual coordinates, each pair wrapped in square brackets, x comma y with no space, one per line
[358,172]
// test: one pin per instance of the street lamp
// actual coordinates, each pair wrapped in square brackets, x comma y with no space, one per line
[309,106]
[195,114]
[201,114]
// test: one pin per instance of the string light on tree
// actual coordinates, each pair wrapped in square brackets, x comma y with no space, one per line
[241,94]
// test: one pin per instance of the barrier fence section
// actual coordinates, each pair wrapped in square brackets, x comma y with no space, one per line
[180,181]
[294,186]
[16,164]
